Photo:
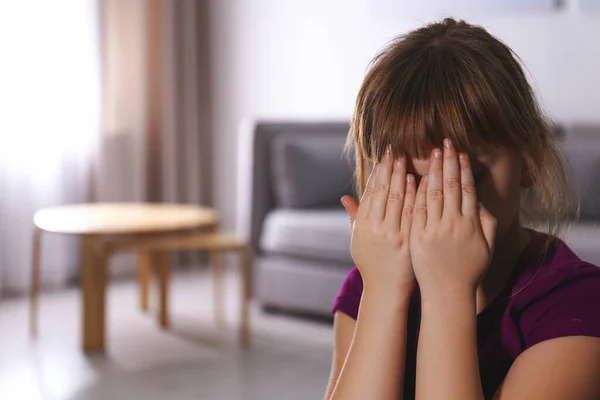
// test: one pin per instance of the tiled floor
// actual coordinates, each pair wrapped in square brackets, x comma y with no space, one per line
[289,358]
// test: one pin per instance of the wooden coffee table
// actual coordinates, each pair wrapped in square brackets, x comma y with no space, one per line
[100,225]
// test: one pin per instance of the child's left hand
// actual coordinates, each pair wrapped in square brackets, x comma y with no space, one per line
[452,236]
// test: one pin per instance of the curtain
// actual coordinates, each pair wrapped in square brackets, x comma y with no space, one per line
[156,142]
[107,100]
[49,114]
[156,103]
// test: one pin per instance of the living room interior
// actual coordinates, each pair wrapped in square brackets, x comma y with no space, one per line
[171,175]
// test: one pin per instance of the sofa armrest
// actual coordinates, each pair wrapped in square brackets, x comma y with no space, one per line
[254,191]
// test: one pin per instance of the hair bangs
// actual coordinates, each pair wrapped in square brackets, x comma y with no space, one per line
[421,108]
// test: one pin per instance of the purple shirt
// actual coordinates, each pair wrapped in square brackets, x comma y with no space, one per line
[553,295]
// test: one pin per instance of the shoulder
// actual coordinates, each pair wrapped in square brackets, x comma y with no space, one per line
[557,272]
[559,297]
[348,298]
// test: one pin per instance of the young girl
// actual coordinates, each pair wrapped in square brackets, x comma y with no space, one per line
[453,297]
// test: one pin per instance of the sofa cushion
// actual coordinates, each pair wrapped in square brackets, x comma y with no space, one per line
[310,170]
[581,148]
[318,234]
[584,240]
[298,283]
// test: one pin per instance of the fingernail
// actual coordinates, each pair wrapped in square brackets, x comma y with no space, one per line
[447,143]
[409,178]
[462,156]
[388,149]
[343,203]
[437,153]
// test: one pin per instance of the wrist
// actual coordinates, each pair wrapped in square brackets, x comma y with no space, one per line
[387,296]
[448,299]
[450,312]
[390,286]
[448,291]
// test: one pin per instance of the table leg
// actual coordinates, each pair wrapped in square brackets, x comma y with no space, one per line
[246,278]
[93,291]
[144,271]
[163,274]
[35,282]
[216,266]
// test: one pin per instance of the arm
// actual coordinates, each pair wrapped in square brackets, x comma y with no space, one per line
[374,366]
[447,365]
[343,331]
[557,369]
[451,245]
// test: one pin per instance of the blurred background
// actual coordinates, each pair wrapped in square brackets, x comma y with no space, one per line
[238,107]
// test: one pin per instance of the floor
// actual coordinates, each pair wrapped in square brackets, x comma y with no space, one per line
[289,358]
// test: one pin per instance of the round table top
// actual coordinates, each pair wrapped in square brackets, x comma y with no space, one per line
[123,218]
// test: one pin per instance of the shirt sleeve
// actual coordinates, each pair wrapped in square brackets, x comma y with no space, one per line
[571,309]
[348,299]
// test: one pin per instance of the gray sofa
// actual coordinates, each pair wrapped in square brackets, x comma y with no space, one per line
[290,180]
[581,147]
[291,177]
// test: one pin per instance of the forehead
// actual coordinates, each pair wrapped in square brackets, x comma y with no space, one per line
[478,150]
[417,166]
[487,156]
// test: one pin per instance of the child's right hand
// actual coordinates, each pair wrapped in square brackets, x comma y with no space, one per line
[381,227]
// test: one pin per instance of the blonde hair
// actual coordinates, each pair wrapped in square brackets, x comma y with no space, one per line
[452,79]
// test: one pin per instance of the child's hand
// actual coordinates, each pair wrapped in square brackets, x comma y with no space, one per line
[381,227]
[452,235]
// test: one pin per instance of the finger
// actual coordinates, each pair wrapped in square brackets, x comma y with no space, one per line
[452,180]
[420,212]
[488,225]
[395,199]
[382,188]
[365,200]
[409,204]
[351,206]
[468,188]
[435,194]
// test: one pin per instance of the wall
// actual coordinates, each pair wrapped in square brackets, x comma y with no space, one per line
[306,59]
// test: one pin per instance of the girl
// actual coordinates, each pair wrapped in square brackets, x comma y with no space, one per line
[463,161]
